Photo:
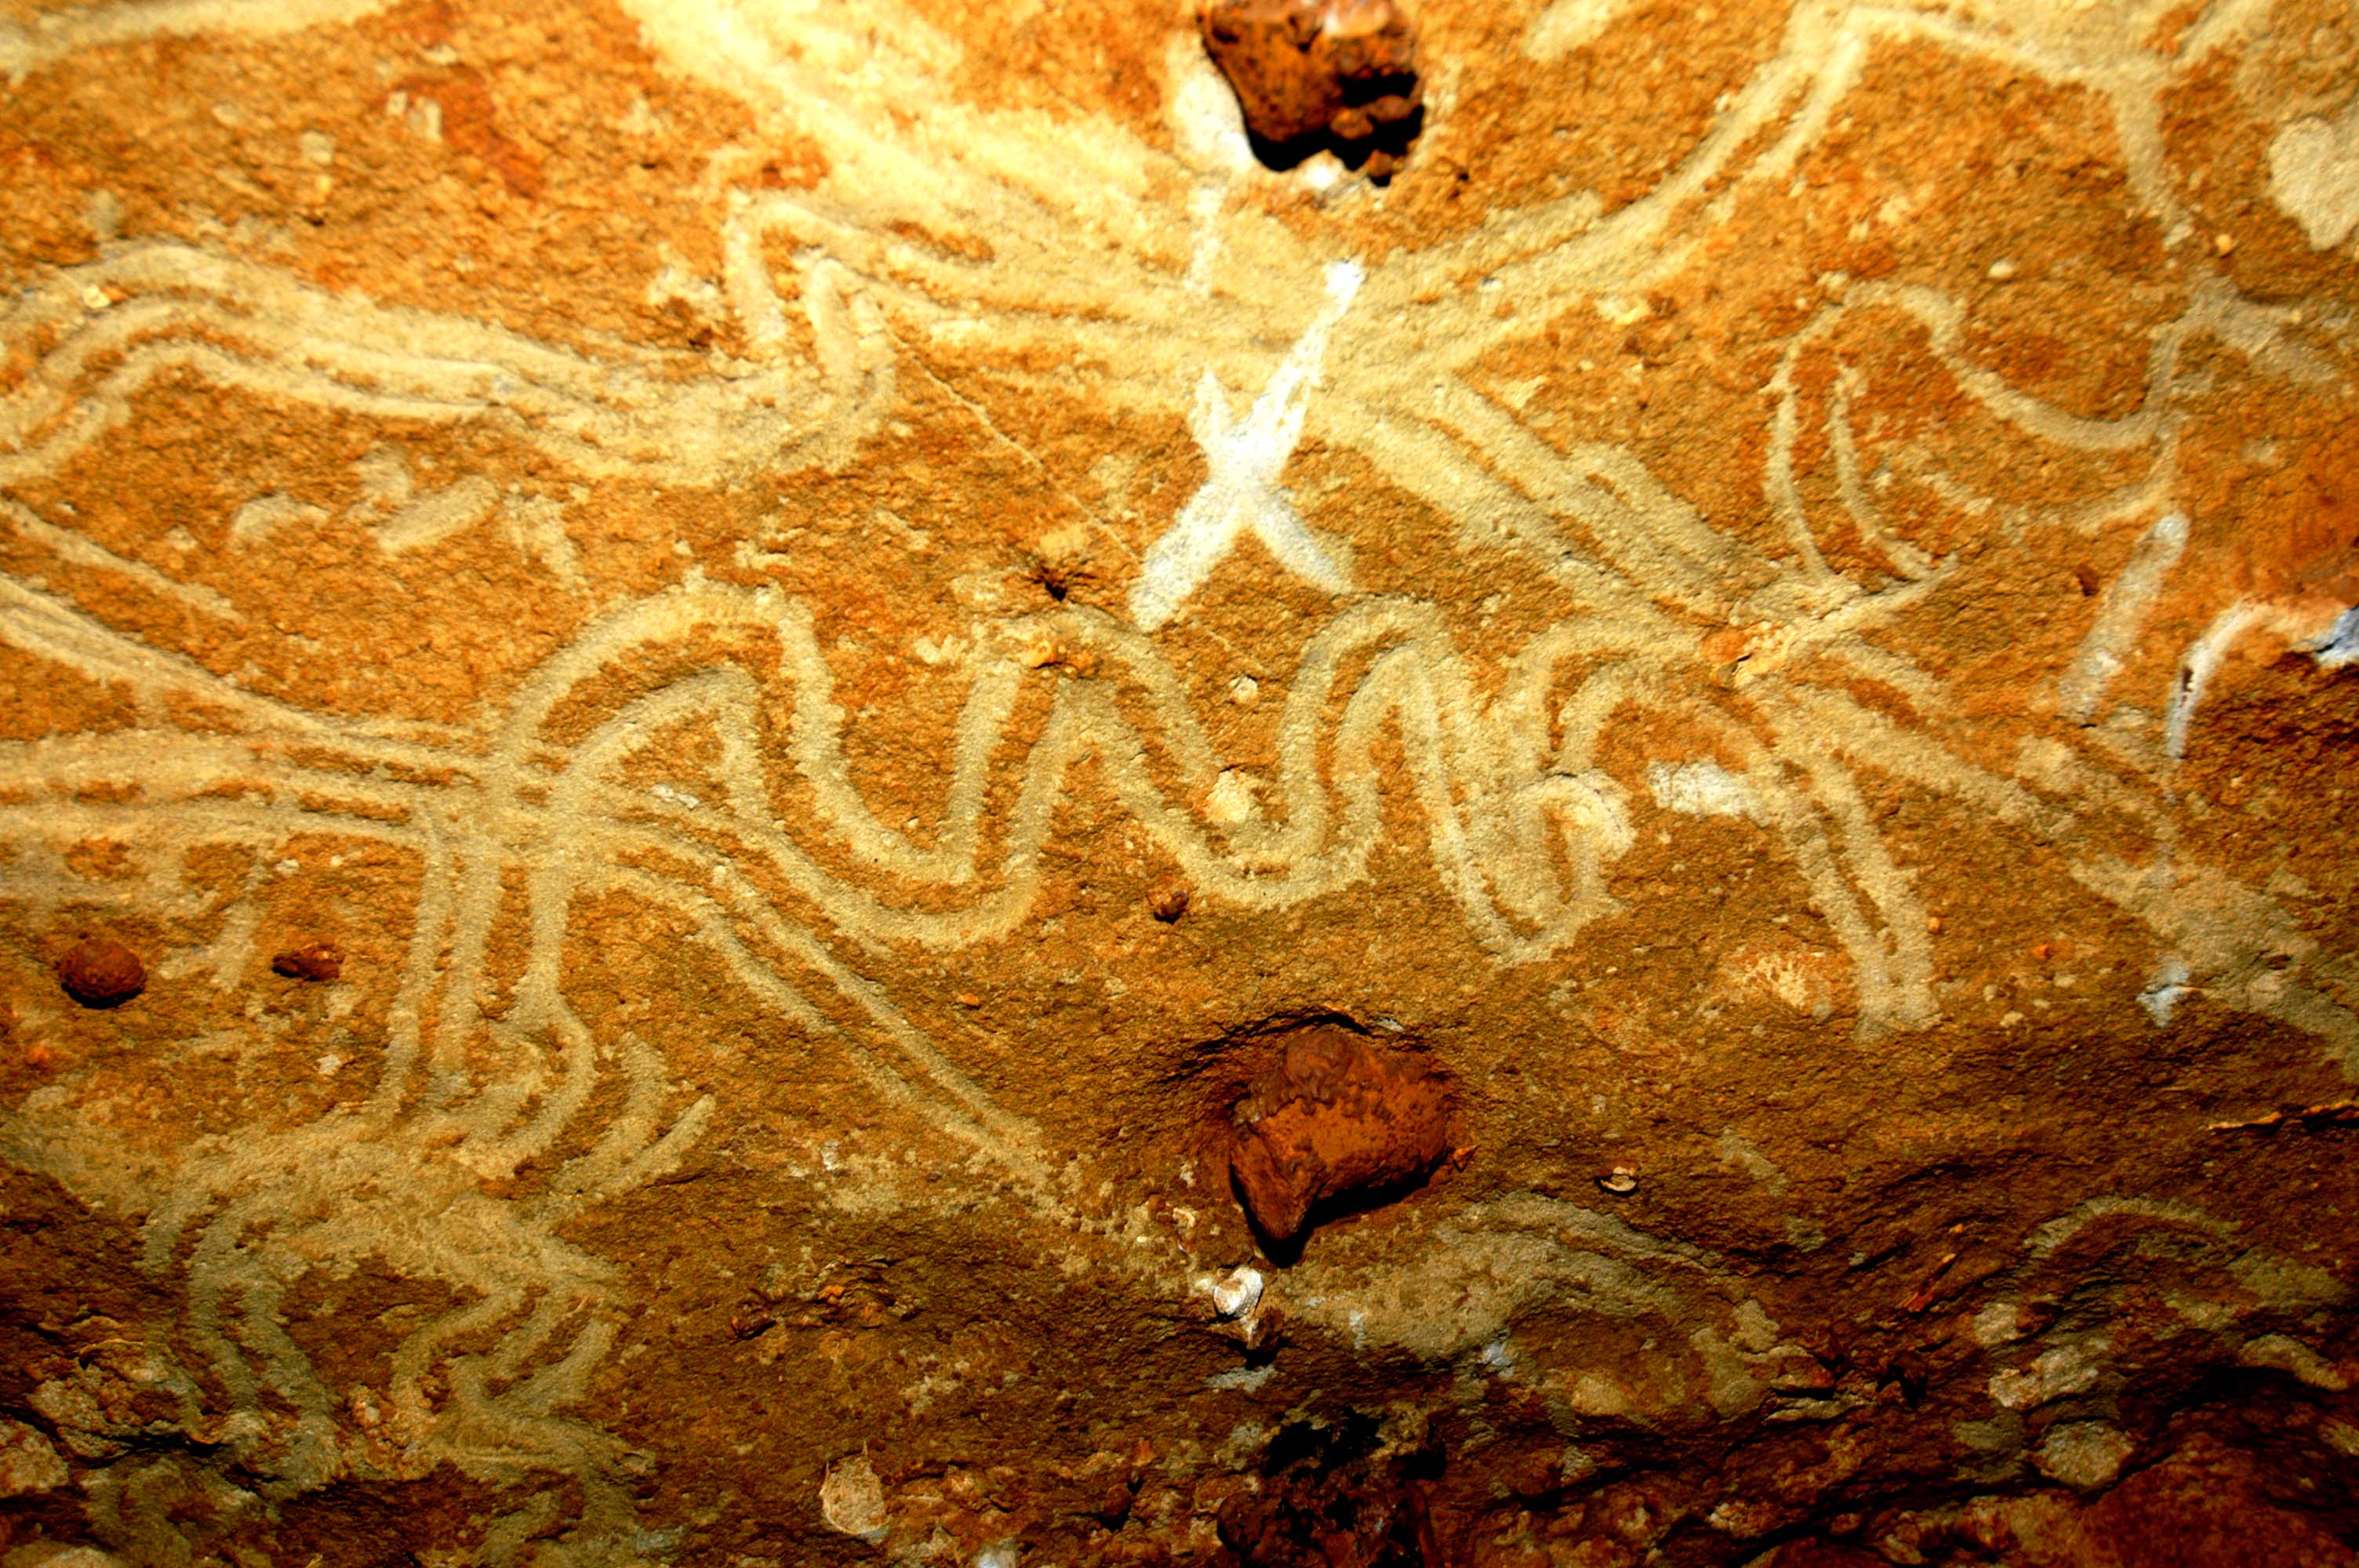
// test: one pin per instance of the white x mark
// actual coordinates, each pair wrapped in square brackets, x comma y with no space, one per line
[1241,490]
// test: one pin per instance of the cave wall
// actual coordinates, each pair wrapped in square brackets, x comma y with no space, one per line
[828,781]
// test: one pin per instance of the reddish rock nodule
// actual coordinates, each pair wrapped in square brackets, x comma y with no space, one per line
[101,972]
[311,961]
[1307,70]
[1337,1116]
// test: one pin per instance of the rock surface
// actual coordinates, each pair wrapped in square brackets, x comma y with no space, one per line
[845,614]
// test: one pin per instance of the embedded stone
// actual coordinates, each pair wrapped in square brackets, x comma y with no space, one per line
[1337,1118]
[101,972]
[315,961]
[1339,73]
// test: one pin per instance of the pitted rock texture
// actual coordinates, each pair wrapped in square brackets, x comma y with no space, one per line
[847,613]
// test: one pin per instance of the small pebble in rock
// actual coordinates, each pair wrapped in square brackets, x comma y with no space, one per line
[1621,1181]
[311,961]
[851,1500]
[101,972]
[1238,1293]
[1168,902]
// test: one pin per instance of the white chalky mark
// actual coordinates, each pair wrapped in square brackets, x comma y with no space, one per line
[436,515]
[2333,646]
[2341,645]
[1205,233]
[1238,1292]
[657,414]
[2200,663]
[258,519]
[2162,993]
[2314,177]
[1207,123]
[1701,789]
[676,282]
[1230,798]
[2120,614]
[536,525]
[1241,491]
[625,409]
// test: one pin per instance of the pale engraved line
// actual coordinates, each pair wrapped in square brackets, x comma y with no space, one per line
[2121,614]
[81,551]
[622,410]
[1241,490]
[56,36]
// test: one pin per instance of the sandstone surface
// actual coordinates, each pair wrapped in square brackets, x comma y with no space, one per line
[741,673]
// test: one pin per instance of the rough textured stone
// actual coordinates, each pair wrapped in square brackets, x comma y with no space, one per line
[850,613]
[1335,1120]
[1314,73]
[28,1465]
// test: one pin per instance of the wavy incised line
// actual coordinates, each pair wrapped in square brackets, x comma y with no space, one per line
[609,409]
